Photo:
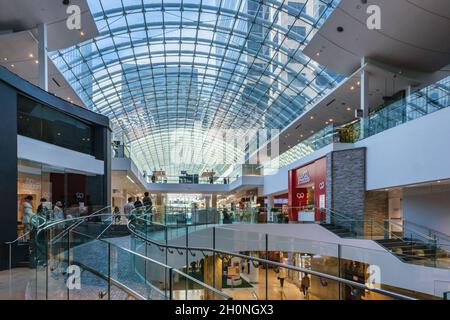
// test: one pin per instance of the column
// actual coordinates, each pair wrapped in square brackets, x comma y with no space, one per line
[212,274]
[253,272]
[214,201]
[364,93]
[42,57]
[270,201]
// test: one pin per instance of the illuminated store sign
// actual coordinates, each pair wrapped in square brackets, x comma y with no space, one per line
[304,178]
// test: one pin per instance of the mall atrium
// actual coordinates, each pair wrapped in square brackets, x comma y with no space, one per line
[225,150]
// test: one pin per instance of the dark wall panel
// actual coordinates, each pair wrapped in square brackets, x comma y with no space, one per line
[8,169]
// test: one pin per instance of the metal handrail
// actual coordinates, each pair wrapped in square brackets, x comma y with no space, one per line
[165,266]
[71,227]
[406,228]
[133,253]
[265,261]
[442,234]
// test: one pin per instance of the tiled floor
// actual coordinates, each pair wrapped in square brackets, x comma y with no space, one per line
[13,284]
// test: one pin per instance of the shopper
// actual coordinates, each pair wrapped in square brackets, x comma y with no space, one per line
[147,200]
[58,213]
[305,285]
[116,215]
[27,211]
[129,206]
[282,276]
[40,207]
[138,203]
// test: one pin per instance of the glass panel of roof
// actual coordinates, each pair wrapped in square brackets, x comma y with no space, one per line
[167,72]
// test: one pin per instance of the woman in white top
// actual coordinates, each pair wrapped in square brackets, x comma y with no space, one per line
[28,213]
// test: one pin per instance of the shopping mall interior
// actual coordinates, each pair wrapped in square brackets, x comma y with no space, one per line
[225,150]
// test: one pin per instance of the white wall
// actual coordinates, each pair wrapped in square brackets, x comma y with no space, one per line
[428,207]
[415,152]
[49,154]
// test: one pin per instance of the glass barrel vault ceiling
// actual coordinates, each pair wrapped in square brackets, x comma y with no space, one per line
[166,71]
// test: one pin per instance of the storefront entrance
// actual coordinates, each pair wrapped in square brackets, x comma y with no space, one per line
[307,192]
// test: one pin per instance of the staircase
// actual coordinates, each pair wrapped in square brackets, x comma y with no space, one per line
[340,231]
[416,252]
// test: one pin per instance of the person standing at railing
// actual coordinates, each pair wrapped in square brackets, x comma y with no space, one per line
[148,204]
[58,213]
[138,203]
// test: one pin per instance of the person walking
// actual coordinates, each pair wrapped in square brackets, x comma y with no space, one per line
[305,284]
[282,276]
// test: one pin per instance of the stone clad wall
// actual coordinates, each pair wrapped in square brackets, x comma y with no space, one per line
[346,182]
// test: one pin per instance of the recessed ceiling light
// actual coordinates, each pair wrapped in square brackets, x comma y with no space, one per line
[312,131]
[358,83]
[318,54]
[312,117]
[35,61]
[352,88]
[331,120]
[82,33]
[31,55]
[349,109]
[439,181]
[12,66]
[326,122]
[6,59]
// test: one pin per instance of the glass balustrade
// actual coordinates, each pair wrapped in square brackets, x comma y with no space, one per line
[207,261]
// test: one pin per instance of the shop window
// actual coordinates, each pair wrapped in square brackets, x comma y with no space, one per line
[78,194]
[43,123]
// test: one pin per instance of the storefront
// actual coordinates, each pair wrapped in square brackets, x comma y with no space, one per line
[51,150]
[307,191]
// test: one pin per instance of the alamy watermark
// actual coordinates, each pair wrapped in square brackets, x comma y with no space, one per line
[73,281]
[73,21]
[374,20]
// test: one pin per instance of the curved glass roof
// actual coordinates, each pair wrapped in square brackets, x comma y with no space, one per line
[168,71]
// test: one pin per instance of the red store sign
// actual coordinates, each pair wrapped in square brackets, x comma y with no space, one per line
[312,175]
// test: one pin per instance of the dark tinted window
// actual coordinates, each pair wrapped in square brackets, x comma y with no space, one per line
[40,122]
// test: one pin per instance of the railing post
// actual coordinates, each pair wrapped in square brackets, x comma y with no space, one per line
[340,270]
[187,260]
[68,259]
[214,257]
[109,271]
[267,266]
[46,265]
[10,257]
[171,284]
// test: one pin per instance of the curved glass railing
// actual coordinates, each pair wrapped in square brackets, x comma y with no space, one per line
[83,258]
[236,259]
[423,102]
